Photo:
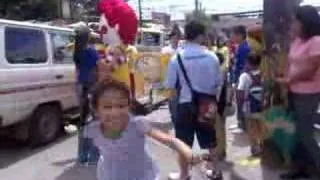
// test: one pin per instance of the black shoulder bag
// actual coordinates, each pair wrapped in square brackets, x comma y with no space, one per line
[204,106]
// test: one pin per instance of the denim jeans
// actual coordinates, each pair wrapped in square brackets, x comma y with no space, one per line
[305,108]
[88,153]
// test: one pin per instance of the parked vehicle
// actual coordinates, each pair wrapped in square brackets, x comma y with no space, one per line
[150,41]
[37,80]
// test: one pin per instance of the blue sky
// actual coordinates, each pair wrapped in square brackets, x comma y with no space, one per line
[177,8]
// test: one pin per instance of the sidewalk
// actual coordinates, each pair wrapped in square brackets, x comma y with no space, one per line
[238,165]
[57,161]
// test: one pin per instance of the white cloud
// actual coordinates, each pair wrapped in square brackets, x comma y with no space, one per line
[178,7]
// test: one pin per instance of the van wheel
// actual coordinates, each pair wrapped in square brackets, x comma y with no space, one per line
[45,125]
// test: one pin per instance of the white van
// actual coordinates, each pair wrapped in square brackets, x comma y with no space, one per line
[37,79]
[150,39]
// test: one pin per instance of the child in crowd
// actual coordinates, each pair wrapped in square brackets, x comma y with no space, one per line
[250,99]
[240,37]
[120,136]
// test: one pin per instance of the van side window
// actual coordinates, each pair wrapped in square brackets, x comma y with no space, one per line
[25,46]
[151,39]
[62,48]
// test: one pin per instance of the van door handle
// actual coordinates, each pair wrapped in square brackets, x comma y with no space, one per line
[59,76]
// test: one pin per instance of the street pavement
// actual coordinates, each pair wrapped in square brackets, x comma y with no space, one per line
[57,161]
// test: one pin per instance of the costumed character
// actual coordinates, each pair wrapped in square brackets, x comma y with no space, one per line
[118,29]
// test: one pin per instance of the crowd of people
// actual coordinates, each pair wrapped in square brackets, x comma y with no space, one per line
[197,78]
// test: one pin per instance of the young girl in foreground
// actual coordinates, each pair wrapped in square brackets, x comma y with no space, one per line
[121,136]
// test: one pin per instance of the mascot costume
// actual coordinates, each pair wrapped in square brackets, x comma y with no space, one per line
[118,30]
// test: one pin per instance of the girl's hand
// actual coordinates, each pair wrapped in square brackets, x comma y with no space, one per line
[206,157]
[196,159]
[175,144]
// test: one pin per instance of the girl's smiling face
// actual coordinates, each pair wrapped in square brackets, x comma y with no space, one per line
[113,109]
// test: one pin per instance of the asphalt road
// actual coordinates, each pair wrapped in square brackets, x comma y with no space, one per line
[57,161]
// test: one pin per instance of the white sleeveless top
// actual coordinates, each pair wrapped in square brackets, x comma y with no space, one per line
[125,158]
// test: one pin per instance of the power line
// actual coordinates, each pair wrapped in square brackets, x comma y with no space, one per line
[140,12]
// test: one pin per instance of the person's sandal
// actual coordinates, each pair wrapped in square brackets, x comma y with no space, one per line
[214,175]
[256,150]
[176,176]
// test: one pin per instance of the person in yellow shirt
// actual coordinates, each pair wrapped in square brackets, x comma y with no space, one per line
[255,41]
[223,49]
[166,55]
[167,52]
[222,52]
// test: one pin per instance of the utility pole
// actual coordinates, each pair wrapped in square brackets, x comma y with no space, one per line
[196,11]
[277,19]
[140,13]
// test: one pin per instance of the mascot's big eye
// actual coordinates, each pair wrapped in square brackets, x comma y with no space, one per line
[103,30]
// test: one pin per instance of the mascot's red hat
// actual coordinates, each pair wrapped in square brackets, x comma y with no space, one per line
[117,19]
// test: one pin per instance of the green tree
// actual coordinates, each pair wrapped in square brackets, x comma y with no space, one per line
[27,10]
[85,10]
[9,7]
[199,16]
[176,29]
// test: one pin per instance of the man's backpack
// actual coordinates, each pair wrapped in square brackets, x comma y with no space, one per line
[255,94]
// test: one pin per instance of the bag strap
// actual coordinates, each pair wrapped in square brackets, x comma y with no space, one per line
[184,72]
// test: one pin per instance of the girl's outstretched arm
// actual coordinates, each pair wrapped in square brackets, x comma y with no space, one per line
[174,144]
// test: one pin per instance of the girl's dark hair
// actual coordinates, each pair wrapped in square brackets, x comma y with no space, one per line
[221,42]
[310,19]
[254,59]
[81,41]
[100,88]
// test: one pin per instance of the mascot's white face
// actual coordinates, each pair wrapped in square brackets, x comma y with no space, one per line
[109,34]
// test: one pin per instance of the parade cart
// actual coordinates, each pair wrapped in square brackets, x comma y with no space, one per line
[150,41]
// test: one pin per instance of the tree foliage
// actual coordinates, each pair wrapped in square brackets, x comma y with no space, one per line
[199,16]
[176,30]
[27,10]
[46,10]
[85,10]
[9,6]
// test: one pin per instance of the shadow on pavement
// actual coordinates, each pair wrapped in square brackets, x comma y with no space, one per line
[65,162]
[240,140]
[78,172]
[235,176]
[13,151]
[226,165]
[165,127]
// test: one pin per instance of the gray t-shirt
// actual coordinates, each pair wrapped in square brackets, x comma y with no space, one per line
[125,158]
